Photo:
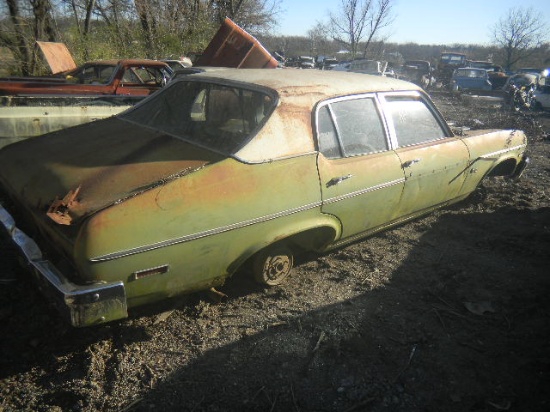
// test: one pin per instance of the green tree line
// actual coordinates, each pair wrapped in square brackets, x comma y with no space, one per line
[96,29]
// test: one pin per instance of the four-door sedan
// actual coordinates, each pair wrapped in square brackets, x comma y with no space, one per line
[227,168]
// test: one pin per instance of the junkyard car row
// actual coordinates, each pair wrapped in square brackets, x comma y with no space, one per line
[453,72]
[231,169]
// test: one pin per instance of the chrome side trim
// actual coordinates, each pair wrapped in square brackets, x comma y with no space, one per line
[395,222]
[502,151]
[363,191]
[234,226]
[205,233]
[84,305]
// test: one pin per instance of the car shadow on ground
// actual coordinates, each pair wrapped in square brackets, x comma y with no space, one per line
[462,326]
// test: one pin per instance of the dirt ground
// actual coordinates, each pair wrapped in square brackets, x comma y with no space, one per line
[447,313]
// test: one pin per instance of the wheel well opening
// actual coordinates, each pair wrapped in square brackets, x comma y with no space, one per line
[311,240]
[505,168]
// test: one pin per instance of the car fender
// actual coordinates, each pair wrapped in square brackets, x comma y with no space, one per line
[314,233]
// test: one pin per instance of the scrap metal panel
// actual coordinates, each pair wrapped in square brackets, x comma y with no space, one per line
[57,55]
[232,46]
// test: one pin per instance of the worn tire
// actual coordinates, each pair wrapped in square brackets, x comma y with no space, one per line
[273,265]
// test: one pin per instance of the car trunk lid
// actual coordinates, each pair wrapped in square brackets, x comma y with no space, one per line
[70,174]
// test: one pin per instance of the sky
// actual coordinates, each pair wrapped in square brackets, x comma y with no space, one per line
[417,21]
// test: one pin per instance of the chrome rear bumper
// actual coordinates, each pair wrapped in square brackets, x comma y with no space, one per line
[84,305]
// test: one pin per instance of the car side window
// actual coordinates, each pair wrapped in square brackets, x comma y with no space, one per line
[350,127]
[328,139]
[130,76]
[413,121]
[149,75]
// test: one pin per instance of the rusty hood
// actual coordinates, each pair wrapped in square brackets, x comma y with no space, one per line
[69,174]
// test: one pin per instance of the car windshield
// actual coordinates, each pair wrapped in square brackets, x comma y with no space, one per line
[470,73]
[370,66]
[450,58]
[214,116]
[418,65]
[92,74]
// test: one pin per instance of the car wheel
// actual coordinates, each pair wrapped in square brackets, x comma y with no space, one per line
[272,265]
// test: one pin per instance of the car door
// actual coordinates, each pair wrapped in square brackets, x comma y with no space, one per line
[433,161]
[361,178]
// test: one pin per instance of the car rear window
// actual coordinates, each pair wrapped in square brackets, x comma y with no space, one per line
[215,116]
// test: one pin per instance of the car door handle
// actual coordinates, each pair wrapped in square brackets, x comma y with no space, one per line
[337,180]
[409,163]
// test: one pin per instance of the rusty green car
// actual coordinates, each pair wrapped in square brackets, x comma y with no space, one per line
[232,168]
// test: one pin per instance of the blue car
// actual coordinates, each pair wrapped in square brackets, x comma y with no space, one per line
[470,78]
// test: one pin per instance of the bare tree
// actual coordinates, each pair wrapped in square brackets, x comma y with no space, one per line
[44,27]
[149,23]
[82,12]
[165,23]
[253,15]
[519,33]
[319,39]
[29,21]
[359,20]
[17,41]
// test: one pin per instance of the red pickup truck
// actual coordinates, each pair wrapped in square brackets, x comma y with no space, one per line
[134,77]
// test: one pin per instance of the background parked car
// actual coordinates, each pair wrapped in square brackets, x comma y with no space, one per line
[469,78]
[541,95]
[133,77]
[306,62]
[521,80]
[366,66]
[176,64]
[329,64]
[420,72]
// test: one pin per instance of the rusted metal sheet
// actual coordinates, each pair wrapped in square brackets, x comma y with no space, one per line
[232,46]
[57,56]
[106,168]
[58,210]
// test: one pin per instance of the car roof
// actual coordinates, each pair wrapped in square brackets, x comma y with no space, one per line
[132,62]
[293,82]
[289,132]
[478,69]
